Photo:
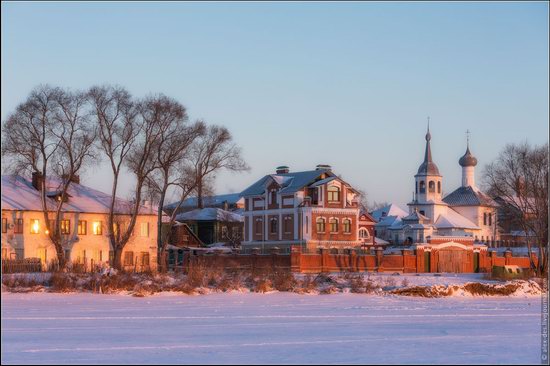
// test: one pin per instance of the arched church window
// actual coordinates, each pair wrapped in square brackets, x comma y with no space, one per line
[484,221]
[438,187]
[431,186]
[416,187]
[422,187]
[490,219]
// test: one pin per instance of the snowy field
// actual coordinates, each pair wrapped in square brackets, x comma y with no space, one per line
[45,328]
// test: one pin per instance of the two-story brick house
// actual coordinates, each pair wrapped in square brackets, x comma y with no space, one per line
[311,209]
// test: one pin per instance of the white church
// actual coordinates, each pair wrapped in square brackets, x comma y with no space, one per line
[465,212]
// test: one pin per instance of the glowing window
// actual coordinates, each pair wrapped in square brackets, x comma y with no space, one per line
[35,226]
[97,228]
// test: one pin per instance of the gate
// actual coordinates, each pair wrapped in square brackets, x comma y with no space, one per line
[451,260]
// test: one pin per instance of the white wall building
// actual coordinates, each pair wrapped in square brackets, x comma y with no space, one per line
[84,226]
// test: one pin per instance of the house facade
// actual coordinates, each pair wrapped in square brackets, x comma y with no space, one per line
[84,226]
[310,209]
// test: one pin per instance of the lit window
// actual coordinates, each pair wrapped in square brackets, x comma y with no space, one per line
[333,194]
[145,229]
[4,224]
[97,228]
[82,227]
[65,227]
[35,226]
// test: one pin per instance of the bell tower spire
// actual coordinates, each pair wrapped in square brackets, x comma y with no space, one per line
[428,179]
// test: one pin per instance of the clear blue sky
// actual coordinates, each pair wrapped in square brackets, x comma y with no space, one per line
[346,84]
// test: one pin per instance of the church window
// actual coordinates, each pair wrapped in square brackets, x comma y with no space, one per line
[484,220]
[416,187]
[422,187]
[431,186]
[490,219]
[438,187]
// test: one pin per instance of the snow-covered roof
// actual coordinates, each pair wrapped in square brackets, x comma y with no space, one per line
[217,200]
[390,210]
[291,182]
[468,196]
[322,181]
[453,220]
[210,214]
[18,194]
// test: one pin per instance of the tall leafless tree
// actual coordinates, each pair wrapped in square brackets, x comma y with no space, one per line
[50,134]
[213,152]
[172,153]
[116,117]
[519,176]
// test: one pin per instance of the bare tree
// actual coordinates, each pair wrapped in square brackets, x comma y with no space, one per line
[519,176]
[213,152]
[50,134]
[171,158]
[116,117]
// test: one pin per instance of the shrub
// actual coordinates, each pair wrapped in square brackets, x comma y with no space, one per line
[357,284]
[62,282]
[306,285]
[283,280]
[490,290]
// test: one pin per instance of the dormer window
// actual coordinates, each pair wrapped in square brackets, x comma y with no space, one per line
[333,194]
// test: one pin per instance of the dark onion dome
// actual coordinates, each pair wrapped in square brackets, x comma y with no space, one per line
[468,159]
[428,167]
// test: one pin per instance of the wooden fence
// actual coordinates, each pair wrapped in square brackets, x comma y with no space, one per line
[26,265]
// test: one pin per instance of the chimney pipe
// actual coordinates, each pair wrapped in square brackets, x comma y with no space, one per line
[37,179]
[283,169]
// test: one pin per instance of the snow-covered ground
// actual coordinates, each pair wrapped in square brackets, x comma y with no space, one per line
[344,328]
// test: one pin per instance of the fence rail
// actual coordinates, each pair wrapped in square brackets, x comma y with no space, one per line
[26,265]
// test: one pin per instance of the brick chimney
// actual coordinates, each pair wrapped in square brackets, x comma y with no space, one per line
[37,179]
[283,169]
[74,179]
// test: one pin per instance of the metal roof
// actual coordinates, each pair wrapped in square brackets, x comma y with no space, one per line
[297,181]
[468,196]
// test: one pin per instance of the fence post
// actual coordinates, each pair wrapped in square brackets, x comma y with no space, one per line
[507,256]
[379,258]
[296,259]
